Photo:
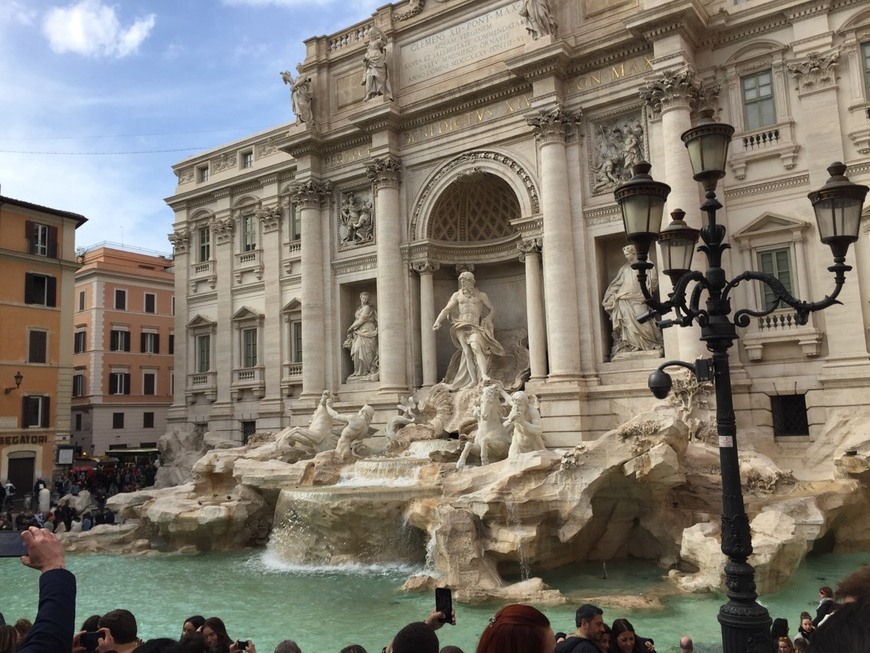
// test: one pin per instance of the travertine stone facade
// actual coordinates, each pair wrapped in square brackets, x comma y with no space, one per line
[498,152]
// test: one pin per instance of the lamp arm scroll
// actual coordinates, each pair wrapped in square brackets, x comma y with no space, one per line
[802,308]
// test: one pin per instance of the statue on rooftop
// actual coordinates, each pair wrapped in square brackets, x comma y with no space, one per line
[300,94]
[376,78]
[539,17]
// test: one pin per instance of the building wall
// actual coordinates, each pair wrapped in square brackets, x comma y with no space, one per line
[473,94]
[27,451]
[106,273]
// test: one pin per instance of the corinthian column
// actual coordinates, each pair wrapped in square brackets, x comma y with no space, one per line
[310,197]
[530,254]
[427,318]
[392,322]
[672,97]
[560,279]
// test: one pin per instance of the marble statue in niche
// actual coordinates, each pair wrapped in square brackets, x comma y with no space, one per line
[300,94]
[624,303]
[472,332]
[356,226]
[362,341]
[619,145]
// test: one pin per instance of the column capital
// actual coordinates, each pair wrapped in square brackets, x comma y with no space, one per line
[554,124]
[425,267]
[180,239]
[385,172]
[530,246]
[223,229]
[311,194]
[270,218]
[677,89]
[816,72]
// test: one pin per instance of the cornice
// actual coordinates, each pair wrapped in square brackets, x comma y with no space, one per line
[551,60]
[687,17]
[768,187]
[355,264]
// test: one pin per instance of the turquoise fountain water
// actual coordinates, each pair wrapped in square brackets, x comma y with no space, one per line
[324,609]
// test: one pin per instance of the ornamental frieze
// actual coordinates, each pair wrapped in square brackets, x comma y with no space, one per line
[816,72]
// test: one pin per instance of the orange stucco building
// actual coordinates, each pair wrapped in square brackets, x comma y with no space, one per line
[37,268]
[123,339]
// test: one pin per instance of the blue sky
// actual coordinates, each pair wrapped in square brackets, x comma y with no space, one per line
[100,98]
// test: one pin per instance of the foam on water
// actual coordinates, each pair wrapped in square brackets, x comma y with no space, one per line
[269,561]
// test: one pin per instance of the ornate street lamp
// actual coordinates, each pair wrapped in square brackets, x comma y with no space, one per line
[705,298]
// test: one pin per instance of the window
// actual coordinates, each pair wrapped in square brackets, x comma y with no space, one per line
[758,106]
[249,233]
[249,347]
[35,411]
[247,159]
[149,383]
[117,420]
[78,422]
[172,305]
[119,340]
[171,343]
[78,389]
[778,263]
[147,420]
[202,174]
[42,239]
[150,302]
[203,235]
[81,300]
[789,415]
[865,55]
[37,347]
[81,342]
[119,383]
[40,289]
[295,222]
[248,430]
[150,343]
[203,353]
[296,341]
[121,300]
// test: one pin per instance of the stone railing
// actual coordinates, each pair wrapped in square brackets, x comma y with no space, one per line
[761,139]
[781,327]
[201,383]
[349,37]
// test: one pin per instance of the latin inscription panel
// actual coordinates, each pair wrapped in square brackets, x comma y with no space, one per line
[475,39]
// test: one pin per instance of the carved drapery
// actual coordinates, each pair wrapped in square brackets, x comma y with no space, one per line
[553,124]
[816,72]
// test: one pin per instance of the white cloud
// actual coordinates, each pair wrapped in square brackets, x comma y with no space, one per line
[93,29]
[13,12]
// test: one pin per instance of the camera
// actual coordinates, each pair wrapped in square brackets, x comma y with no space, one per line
[91,640]
[242,645]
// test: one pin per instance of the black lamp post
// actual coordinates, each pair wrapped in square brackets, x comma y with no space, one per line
[838,204]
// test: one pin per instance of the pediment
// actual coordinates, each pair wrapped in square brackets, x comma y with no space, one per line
[293,305]
[246,313]
[200,321]
[771,227]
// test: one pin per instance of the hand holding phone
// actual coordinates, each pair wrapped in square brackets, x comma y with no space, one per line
[444,604]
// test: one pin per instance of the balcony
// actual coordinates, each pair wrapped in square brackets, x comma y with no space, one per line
[250,379]
[772,141]
[291,377]
[204,272]
[204,384]
[250,262]
[781,327]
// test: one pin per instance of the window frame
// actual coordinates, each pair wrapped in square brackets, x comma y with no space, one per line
[40,290]
[766,296]
[202,355]
[80,341]
[38,406]
[248,232]
[249,346]
[246,159]
[146,375]
[202,173]
[33,336]
[119,383]
[119,343]
[149,342]
[153,301]
[295,223]
[760,103]
[120,297]
[148,419]
[117,421]
[203,243]
[78,384]
[81,300]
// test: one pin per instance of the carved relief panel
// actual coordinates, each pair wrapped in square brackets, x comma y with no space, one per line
[614,146]
[355,219]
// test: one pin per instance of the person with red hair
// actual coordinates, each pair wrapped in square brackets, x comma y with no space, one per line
[517,628]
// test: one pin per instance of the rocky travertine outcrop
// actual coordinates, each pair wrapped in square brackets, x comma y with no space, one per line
[648,489]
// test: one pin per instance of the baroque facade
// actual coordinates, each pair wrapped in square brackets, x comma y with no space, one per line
[478,140]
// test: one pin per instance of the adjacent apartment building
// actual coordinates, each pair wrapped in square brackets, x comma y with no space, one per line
[37,259]
[123,340]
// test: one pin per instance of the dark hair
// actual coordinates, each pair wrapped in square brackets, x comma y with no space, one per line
[451,649]
[288,646]
[621,626]
[856,585]
[122,625]
[23,626]
[826,591]
[159,645]
[350,648]
[778,628]
[805,615]
[8,639]
[91,623]
[217,625]
[416,637]
[515,628]
[586,611]
[196,621]
[194,643]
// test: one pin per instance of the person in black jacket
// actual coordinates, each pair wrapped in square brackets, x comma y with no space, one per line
[590,624]
[52,632]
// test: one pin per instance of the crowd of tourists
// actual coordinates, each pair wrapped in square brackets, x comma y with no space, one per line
[841,624]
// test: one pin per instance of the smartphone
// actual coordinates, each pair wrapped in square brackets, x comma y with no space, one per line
[11,545]
[91,640]
[444,603]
